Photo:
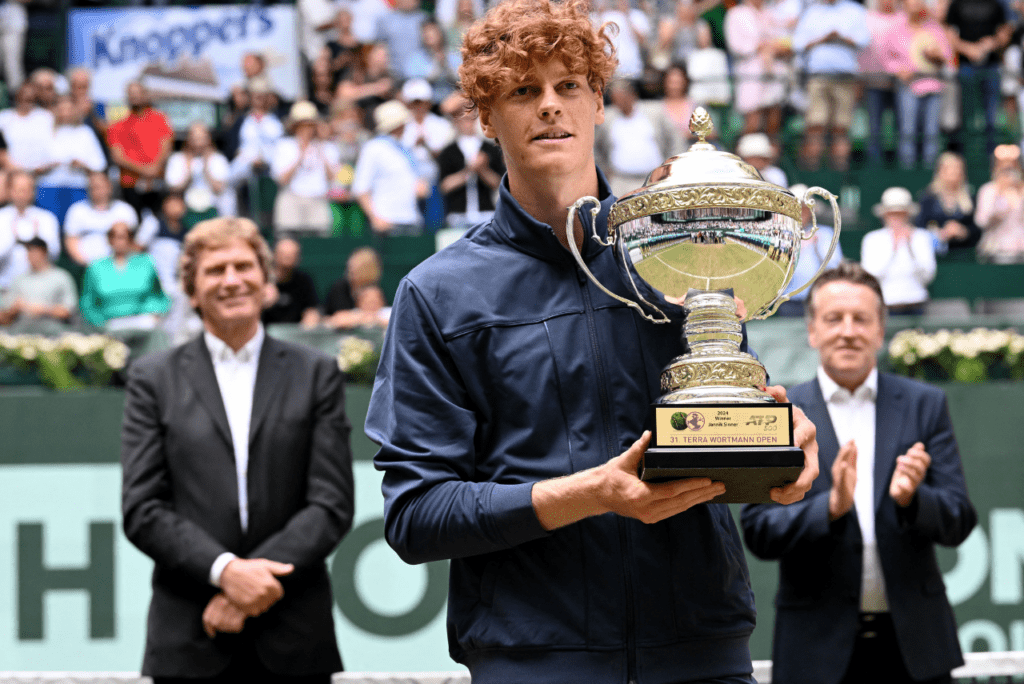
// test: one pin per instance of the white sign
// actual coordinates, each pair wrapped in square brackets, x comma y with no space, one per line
[183,52]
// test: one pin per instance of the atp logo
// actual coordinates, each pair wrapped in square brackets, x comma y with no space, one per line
[682,420]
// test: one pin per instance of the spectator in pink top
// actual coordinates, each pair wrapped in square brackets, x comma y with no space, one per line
[915,49]
[760,65]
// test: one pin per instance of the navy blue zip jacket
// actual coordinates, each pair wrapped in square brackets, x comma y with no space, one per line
[504,365]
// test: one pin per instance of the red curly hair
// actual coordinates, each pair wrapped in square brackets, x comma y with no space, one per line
[515,34]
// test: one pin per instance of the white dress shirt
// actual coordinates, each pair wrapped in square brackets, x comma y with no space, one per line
[68,144]
[90,225]
[634,144]
[903,272]
[437,133]
[28,137]
[17,227]
[310,178]
[853,417]
[389,173]
[236,378]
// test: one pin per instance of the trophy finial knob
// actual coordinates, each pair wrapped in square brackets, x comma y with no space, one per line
[701,124]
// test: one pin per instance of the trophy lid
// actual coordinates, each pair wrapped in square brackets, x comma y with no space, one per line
[703,177]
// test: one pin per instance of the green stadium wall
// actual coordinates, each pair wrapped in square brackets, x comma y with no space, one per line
[74,591]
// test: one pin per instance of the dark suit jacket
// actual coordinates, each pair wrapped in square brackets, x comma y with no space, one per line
[818,602]
[180,502]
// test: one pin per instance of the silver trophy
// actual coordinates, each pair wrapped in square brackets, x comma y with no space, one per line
[705,227]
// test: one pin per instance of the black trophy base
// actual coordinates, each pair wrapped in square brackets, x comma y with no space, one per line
[749,474]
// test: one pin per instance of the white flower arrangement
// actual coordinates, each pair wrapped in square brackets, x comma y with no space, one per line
[358,359]
[71,361]
[975,356]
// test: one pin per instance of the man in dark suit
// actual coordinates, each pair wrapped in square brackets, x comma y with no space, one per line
[237,481]
[861,597]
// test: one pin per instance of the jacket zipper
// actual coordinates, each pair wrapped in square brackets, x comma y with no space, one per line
[623,531]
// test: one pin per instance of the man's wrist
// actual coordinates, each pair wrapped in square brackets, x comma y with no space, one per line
[217,569]
[565,500]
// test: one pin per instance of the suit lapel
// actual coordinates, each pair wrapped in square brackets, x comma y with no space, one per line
[828,443]
[889,417]
[199,369]
[269,374]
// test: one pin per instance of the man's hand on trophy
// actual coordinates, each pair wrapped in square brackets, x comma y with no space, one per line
[615,488]
[624,493]
[741,308]
[805,437]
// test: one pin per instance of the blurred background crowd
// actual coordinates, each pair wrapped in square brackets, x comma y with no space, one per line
[915,103]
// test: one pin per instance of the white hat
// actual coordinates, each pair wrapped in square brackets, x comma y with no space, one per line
[259,85]
[755,145]
[390,115]
[302,111]
[417,89]
[896,199]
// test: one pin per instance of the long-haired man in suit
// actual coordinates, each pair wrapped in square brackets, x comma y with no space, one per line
[237,481]
[861,597]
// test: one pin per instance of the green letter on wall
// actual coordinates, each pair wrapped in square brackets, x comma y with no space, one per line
[35,579]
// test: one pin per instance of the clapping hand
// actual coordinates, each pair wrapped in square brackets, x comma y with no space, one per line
[805,436]
[844,481]
[911,468]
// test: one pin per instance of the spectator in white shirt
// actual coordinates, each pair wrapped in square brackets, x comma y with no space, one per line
[387,183]
[73,152]
[258,134]
[13,27]
[635,138]
[199,169]
[426,133]
[756,149]
[630,41]
[28,130]
[708,69]
[303,167]
[88,221]
[20,221]
[901,256]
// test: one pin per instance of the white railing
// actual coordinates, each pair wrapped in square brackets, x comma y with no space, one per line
[978,667]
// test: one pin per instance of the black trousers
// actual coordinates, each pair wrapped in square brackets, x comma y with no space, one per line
[876,655]
[247,668]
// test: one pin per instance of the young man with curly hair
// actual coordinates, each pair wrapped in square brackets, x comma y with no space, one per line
[510,402]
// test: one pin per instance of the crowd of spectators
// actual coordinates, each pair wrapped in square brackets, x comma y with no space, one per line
[385,145]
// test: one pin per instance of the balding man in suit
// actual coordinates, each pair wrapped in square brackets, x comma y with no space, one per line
[861,597]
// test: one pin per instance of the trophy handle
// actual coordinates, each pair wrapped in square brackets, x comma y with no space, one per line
[809,201]
[570,232]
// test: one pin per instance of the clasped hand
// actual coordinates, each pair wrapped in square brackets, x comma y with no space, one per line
[250,587]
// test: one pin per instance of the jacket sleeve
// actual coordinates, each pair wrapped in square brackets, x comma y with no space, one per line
[150,521]
[421,416]
[313,532]
[942,511]
[771,531]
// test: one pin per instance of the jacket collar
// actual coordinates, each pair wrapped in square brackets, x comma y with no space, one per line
[890,418]
[529,235]
[269,373]
[199,369]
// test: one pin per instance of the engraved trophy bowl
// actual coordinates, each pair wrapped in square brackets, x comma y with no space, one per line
[705,227]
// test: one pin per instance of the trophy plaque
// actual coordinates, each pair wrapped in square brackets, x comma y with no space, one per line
[704,228]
